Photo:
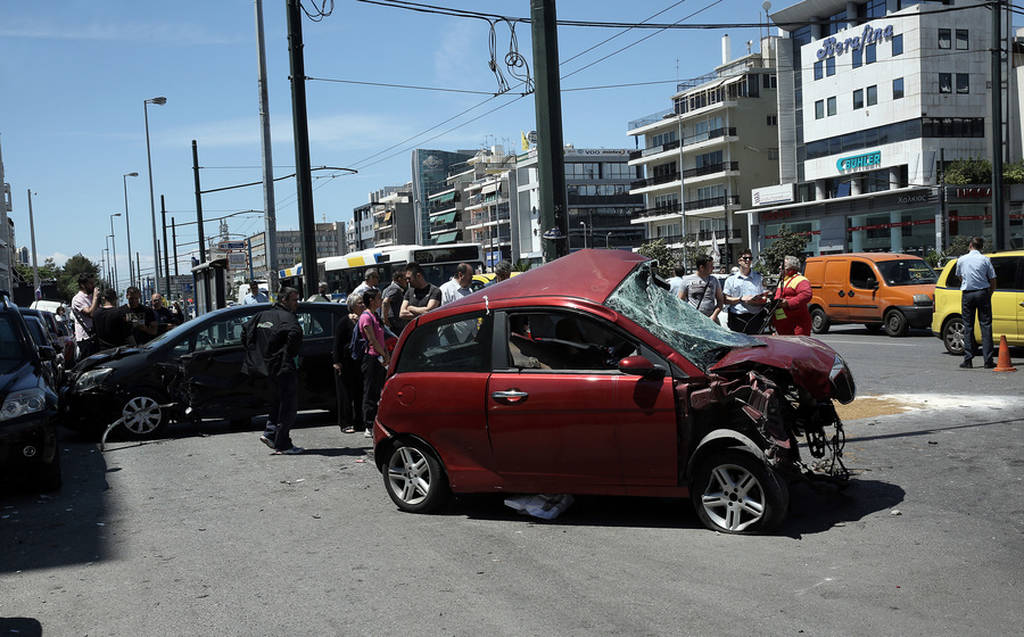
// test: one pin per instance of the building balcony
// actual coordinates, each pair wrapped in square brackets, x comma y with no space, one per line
[711,204]
[657,180]
[661,213]
[443,227]
[603,200]
[711,169]
[652,153]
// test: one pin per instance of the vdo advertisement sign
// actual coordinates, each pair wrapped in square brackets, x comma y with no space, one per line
[870,35]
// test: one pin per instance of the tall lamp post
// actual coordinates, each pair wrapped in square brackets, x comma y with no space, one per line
[127,225]
[159,101]
[113,256]
[583,224]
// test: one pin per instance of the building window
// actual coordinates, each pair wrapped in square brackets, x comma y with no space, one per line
[819,109]
[858,58]
[945,37]
[872,95]
[858,99]
[897,88]
[831,106]
[870,54]
[773,120]
[963,83]
[830,66]
[819,69]
[962,39]
[874,9]
[897,45]
[836,23]
[945,82]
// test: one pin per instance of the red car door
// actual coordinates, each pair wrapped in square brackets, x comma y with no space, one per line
[562,417]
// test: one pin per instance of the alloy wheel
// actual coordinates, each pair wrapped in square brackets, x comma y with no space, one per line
[141,415]
[953,336]
[409,475]
[734,498]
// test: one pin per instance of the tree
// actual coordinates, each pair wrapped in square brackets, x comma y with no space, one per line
[661,253]
[73,268]
[769,262]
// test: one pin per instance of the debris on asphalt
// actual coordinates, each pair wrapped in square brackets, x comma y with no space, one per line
[895,512]
[545,507]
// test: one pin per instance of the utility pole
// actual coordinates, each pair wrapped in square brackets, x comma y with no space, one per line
[174,238]
[303,180]
[199,220]
[138,270]
[270,215]
[550,150]
[35,261]
[998,231]
[167,270]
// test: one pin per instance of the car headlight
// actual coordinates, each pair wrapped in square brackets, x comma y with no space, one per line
[92,378]
[23,402]
[923,299]
[838,365]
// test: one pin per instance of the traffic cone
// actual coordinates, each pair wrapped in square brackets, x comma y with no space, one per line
[1004,357]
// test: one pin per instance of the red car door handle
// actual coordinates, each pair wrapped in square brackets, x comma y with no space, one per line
[510,396]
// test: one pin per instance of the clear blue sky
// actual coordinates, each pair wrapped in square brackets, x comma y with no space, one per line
[74,74]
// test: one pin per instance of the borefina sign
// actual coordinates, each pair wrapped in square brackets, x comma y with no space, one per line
[870,35]
[855,162]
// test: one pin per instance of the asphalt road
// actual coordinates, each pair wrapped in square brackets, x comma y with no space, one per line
[205,533]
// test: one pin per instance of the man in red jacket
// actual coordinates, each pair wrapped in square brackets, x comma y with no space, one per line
[791,314]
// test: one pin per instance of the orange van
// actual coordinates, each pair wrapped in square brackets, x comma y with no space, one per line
[878,289]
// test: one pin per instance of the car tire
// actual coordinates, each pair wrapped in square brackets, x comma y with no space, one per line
[895,323]
[873,327]
[735,492]
[415,479]
[953,335]
[819,321]
[47,476]
[142,416]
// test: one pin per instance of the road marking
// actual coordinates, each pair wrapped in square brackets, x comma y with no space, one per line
[871,343]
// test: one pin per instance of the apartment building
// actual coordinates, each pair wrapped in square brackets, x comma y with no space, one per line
[877,97]
[430,169]
[394,220]
[7,244]
[330,240]
[701,158]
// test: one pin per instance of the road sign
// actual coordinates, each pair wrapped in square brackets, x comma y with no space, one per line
[236,260]
[231,245]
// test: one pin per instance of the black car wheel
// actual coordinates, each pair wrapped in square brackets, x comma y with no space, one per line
[142,416]
[415,479]
[819,321]
[895,323]
[735,492]
[953,336]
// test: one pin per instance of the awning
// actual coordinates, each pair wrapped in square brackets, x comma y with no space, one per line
[438,220]
[387,216]
[446,237]
[443,198]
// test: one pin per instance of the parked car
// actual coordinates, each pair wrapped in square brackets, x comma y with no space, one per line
[44,341]
[28,415]
[874,288]
[586,376]
[143,385]
[480,281]
[1007,303]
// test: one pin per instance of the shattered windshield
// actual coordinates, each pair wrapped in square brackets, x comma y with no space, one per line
[641,299]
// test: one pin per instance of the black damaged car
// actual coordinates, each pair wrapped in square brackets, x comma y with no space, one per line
[28,405]
[194,372]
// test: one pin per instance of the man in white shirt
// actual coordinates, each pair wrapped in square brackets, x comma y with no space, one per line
[370,280]
[977,284]
[745,295]
[255,295]
[675,284]
[83,305]
[459,285]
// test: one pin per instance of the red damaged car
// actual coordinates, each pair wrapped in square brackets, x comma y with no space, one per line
[586,376]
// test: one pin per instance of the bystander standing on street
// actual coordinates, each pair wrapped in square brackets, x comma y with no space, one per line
[375,360]
[675,283]
[703,291]
[459,285]
[141,318]
[391,307]
[112,330]
[977,283]
[83,305]
[348,375]
[165,318]
[422,295]
[322,295]
[272,340]
[502,272]
[791,314]
[746,297]
[255,295]
[370,280]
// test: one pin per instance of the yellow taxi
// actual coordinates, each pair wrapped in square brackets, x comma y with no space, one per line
[480,281]
[1007,303]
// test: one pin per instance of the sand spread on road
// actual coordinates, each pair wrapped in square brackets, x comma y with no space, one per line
[890,404]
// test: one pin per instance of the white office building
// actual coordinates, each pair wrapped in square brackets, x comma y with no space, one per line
[881,96]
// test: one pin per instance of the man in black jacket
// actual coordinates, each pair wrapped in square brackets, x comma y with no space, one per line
[272,340]
[348,378]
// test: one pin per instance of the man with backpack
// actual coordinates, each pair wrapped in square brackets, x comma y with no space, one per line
[272,340]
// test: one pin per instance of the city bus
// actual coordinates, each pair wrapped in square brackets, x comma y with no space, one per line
[343,273]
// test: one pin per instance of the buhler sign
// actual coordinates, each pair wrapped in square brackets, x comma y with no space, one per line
[870,35]
[867,160]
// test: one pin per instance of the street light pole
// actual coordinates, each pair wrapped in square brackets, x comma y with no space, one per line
[584,225]
[160,101]
[35,261]
[127,225]
[114,247]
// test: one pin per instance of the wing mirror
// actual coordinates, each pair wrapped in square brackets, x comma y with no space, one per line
[639,366]
[46,353]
